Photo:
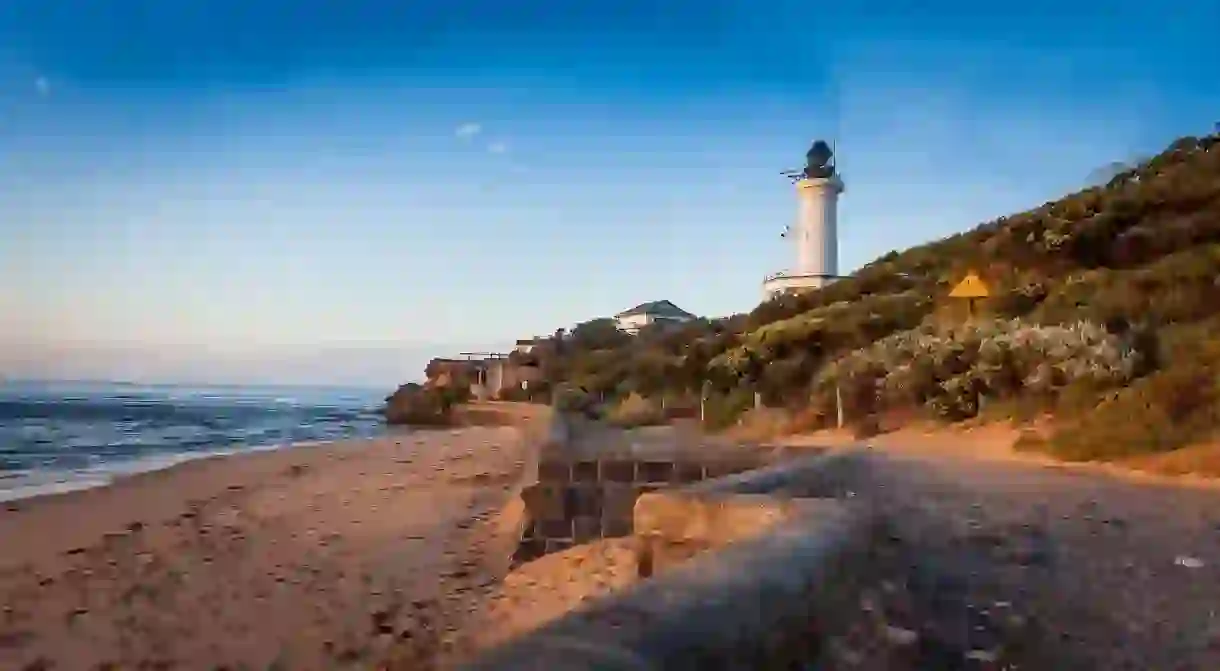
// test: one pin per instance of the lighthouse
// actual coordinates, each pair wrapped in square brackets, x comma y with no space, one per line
[815,234]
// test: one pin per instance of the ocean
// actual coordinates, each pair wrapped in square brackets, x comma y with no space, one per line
[60,436]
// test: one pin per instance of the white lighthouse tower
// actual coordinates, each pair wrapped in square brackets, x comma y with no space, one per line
[815,235]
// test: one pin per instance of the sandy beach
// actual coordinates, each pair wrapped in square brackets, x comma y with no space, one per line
[350,554]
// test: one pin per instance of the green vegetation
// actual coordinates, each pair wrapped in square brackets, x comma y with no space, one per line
[949,369]
[1105,314]
[422,405]
[635,410]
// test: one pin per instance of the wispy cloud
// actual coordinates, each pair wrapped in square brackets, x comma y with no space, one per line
[43,86]
[498,148]
[467,131]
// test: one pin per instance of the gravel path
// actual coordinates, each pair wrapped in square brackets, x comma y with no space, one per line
[1096,572]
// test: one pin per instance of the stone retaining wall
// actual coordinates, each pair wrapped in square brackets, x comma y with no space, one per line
[578,501]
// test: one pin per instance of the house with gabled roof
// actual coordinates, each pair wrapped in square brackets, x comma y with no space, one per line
[647,314]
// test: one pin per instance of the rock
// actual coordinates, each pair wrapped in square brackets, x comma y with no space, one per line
[899,636]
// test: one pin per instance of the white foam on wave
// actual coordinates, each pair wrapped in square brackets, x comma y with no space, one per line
[19,489]
[27,484]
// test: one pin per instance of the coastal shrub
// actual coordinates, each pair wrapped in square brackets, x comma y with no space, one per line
[576,400]
[418,405]
[1167,409]
[683,406]
[723,409]
[948,368]
[779,359]
[1178,288]
[453,394]
[1164,411]
[635,410]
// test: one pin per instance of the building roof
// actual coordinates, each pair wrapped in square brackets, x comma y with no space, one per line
[657,309]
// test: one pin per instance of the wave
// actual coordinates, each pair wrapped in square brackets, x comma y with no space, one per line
[84,433]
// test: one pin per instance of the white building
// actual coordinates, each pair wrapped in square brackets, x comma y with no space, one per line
[646,314]
[525,346]
[815,234]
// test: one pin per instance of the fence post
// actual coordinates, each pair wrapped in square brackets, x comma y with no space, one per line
[838,405]
[703,402]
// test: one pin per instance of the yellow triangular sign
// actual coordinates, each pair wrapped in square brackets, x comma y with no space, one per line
[971,286]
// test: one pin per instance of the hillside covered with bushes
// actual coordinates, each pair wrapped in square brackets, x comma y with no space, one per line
[1104,315]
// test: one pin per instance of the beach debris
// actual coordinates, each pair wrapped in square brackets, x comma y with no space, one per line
[900,636]
[1188,562]
[984,656]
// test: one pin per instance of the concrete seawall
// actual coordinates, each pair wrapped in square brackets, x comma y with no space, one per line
[751,605]
[743,579]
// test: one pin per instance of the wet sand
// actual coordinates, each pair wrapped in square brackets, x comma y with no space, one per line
[351,554]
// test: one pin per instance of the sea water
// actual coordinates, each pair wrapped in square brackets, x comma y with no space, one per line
[62,436]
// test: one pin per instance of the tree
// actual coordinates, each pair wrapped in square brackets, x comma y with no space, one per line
[600,333]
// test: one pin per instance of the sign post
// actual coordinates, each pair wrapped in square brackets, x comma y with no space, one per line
[971,289]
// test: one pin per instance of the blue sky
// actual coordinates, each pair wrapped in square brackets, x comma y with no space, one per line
[314,191]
